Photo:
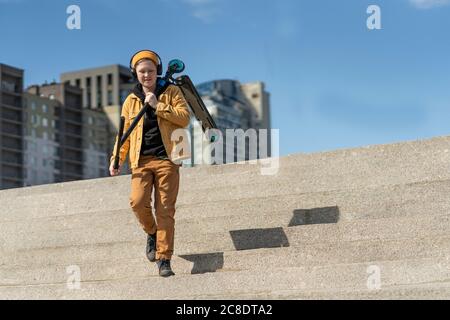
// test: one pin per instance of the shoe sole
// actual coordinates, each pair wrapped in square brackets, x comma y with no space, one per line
[165,275]
[151,256]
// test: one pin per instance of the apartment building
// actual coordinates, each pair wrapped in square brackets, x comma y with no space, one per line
[104,90]
[11,127]
[233,106]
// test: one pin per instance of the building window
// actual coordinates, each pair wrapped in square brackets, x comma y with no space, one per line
[90,120]
[78,83]
[99,91]
[123,96]
[110,79]
[33,105]
[89,100]
[110,98]
[53,123]
[45,122]
[45,135]
[88,82]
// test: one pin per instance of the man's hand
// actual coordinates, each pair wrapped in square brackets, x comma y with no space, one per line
[112,171]
[150,98]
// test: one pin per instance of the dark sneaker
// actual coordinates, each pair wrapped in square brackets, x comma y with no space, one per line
[164,268]
[151,247]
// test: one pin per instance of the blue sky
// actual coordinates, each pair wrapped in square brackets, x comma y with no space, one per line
[333,83]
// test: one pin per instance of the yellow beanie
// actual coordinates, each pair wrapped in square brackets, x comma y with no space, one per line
[144,55]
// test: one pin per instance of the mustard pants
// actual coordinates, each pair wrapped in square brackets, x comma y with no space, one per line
[162,176]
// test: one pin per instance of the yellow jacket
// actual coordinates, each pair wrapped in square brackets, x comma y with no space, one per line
[172,113]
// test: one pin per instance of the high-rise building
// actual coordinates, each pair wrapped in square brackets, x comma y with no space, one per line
[96,135]
[40,131]
[50,121]
[259,99]
[104,90]
[233,106]
[11,127]
[68,116]
[102,86]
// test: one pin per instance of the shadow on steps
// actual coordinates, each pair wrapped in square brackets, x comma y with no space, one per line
[251,239]
[276,237]
[314,216]
[207,262]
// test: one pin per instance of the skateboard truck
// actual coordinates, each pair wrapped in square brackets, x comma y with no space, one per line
[191,95]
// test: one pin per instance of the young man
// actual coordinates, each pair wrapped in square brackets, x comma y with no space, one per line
[153,156]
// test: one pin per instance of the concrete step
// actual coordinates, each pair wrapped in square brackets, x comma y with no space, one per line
[353,168]
[311,230]
[189,241]
[300,279]
[349,204]
[359,203]
[101,196]
[39,266]
[310,254]
[431,150]
[426,291]
[333,207]
[120,222]
[370,166]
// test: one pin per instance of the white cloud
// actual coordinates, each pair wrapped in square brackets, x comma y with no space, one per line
[287,28]
[205,15]
[286,19]
[427,4]
[204,10]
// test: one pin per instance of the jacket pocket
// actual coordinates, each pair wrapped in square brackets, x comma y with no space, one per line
[132,116]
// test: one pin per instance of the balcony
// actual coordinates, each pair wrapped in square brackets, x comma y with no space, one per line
[11,86]
[12,100]
[13,158]
[12,114]
[12,172]
[12,143]
[12,129]
[73,129]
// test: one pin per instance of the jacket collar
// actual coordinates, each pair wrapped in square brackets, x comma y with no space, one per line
[138,93]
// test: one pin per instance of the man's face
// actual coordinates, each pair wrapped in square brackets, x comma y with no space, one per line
[146,73]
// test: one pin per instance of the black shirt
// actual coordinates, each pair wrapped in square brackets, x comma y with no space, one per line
[152,143]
